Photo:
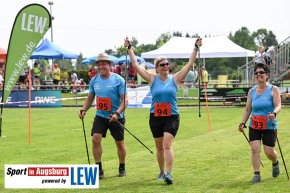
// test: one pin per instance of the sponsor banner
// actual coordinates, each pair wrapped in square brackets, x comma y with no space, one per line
[225,94]
[30,25]
[40,98]
[51,176]
[140,97]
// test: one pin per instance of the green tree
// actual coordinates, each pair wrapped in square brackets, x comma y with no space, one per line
[270,39]
[177,34]
[243,38]
[264,37]
[163,38]
[111,52]
[194,35]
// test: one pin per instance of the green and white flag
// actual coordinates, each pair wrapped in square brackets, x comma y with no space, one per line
[30,25]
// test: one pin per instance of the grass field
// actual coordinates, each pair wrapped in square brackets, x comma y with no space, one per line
[215,160]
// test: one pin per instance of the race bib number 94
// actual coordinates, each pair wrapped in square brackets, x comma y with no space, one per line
[259,122]
[162,109]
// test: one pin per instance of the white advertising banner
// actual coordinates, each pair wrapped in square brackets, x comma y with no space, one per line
[51,176]
[139,97]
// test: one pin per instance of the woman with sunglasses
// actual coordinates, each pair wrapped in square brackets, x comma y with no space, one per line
[164,115]
[264,103]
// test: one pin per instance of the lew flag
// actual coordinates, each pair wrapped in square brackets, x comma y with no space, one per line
[30,25]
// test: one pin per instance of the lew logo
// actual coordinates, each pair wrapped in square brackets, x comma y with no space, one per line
[33,23]
[84,176]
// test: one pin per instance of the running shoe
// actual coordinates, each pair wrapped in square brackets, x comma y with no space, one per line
[101,174]
[276,170]
[168,179]
[161,176]
[256,178]
[122,173]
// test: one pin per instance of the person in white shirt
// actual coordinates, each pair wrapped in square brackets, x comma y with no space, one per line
[269,54]
[258,58]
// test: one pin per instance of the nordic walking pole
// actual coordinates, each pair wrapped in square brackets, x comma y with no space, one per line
[134,136]
[86,141]
[125,75]
[280,150]
[199,74]
[250,144]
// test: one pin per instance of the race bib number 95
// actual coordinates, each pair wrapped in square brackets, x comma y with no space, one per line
[104,104]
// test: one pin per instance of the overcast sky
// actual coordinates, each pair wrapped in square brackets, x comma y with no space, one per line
[91,26]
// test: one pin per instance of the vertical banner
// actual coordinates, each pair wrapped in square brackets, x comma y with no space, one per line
[30,25]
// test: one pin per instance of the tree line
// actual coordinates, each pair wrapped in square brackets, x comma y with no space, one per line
[215,66]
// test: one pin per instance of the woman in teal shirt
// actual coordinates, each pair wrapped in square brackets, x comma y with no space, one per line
[164,115]
[264,103]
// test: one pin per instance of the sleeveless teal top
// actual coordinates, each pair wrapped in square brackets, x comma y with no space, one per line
[262,104]
[163,92]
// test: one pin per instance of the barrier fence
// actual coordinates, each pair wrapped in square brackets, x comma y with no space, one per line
[138,97]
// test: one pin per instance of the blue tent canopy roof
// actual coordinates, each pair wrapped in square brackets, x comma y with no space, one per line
[90,60]
[122,59]
[49,50]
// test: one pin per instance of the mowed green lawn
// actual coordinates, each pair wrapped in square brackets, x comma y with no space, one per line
[206,160]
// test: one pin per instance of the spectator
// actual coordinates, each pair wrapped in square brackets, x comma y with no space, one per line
[63,76]
[74,81]
[82,85]
[269,54]
[204,76]
[73,76]
[258,58]
[189,78]
[92,71]
[56,77]
[195,70]
[118,69]
[22,77]
[36,78]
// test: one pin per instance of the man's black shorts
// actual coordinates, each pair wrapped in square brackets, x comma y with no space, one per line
[101,125]
[159,125]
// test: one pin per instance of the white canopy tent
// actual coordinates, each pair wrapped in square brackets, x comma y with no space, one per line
[213,47]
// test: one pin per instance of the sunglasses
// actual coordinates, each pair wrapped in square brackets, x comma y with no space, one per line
[260,72]
[162,65]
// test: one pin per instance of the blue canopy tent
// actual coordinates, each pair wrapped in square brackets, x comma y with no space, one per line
[90,60]
[48,50]
[150,65]
[122,59]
